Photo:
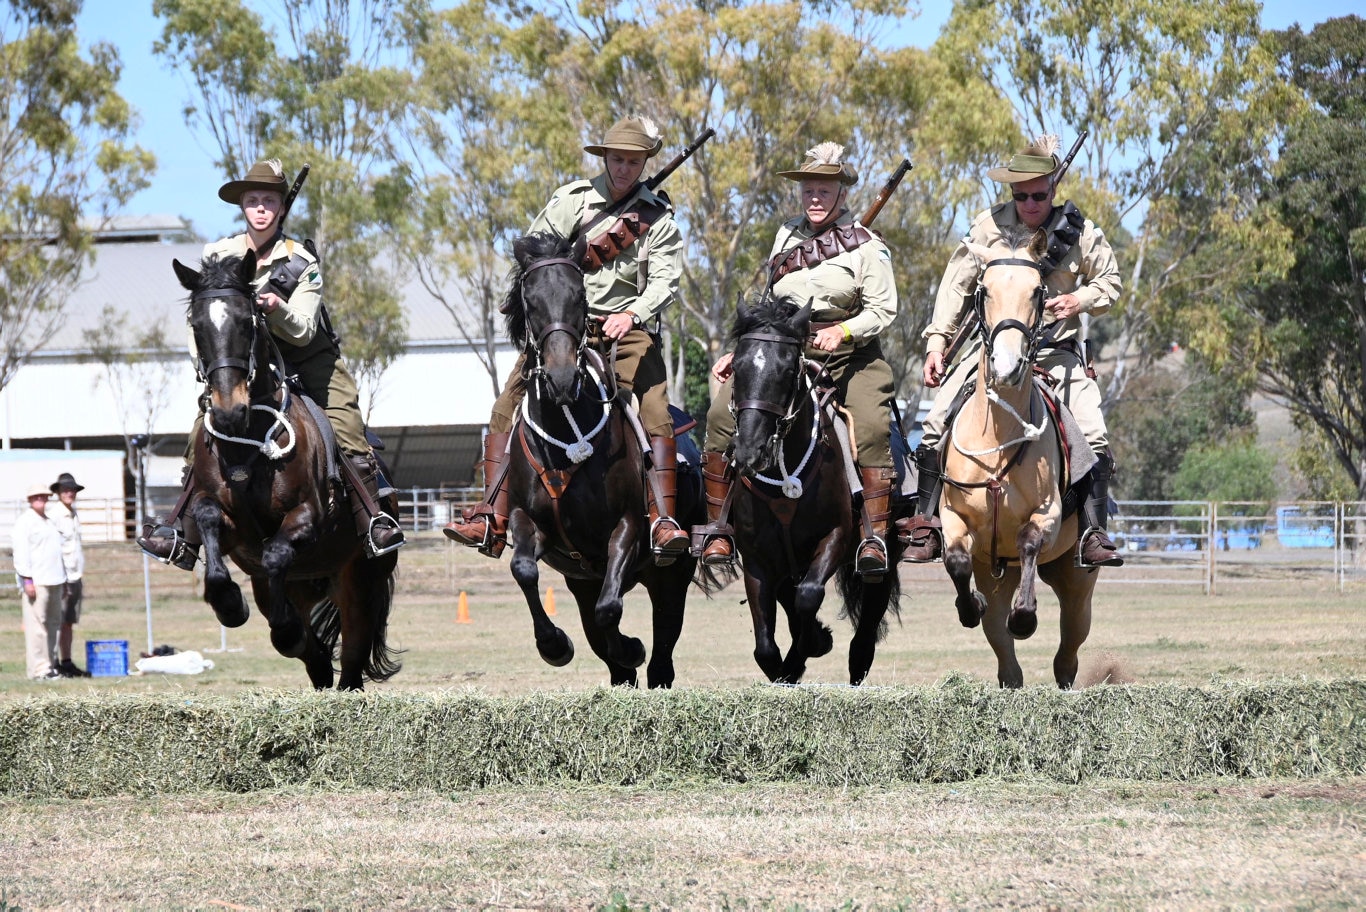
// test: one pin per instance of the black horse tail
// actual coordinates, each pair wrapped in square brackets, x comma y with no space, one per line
[378,575]
[325,620]
[853,591]
[712,578]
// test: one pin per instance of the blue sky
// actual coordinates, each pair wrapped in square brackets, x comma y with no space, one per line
[186,181]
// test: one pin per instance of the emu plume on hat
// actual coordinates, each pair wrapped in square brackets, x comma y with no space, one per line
[824,162]
[264,175]
[630,134]
[1039,159]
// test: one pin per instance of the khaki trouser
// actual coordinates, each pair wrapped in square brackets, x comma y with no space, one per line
[327,381]
[42,623]
[1077,391]
[864,381]
[640,369]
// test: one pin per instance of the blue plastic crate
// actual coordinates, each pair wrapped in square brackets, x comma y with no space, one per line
[106,658]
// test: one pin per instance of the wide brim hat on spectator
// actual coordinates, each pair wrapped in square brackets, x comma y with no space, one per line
[65,482]
[1039,159]
[824,162]
[38,489]
[264,175]
[630,134]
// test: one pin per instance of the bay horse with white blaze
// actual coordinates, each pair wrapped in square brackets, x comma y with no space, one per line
[576,478]
[1005,475]
[262,495]
[793,508]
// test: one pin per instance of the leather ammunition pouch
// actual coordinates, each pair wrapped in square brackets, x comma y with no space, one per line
[1063,237]
[630,227]
[824,246]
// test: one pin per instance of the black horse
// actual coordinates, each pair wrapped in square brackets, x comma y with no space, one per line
[793,510]
[576,476]
[262,495]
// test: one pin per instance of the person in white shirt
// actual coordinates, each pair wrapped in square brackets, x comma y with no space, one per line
[63,513]
[42,574]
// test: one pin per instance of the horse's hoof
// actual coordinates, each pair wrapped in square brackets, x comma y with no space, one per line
[234,616]
[289,641]
[822,641]
[632,652]
[970,614]
[1022,624]
[559,651]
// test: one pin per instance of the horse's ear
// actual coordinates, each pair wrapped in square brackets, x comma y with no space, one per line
[741,311]
[980,252]
[247,270]
[189,279]
[1038,244]
[802,318]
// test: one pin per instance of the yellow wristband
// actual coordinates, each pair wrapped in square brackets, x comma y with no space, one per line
[848,336]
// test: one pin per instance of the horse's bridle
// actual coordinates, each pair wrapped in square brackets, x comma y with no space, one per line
[205,371]
[1033,334]
[532,348]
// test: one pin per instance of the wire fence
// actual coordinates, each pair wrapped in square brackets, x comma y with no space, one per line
[1210,544]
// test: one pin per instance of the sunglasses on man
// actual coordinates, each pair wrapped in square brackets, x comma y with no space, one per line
[1036,197]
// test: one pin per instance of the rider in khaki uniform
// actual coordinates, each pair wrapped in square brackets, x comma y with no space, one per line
[298,323]
[854,298]
[624,294]
[1084,281]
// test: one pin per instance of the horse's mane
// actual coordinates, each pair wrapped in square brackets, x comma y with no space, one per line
[767,314]
[1021,237]
[527,250]
[222,272]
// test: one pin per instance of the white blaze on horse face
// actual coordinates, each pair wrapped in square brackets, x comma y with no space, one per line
[218,313]
[758,360]
[1005,356]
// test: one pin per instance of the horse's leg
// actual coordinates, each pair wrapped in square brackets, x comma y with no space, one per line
[317,644]
[1024,618]
[528,544]
[622,554]
[348,593]
[811,637]
[222,594]
[1074,587]
[997,594]
[585,592]
[288,632]
[958,544]
[668,588]
[763,609]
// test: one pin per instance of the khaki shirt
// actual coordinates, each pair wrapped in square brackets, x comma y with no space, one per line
[1089,271]
[616,287]
[295,321]
[69,524]
[855,288]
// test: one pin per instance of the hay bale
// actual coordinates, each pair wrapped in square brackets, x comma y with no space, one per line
[960,729]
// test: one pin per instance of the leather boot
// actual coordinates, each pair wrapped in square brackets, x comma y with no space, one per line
[715,538]
[175,541]
[920,534]
[1095,548]
[379,530]
[667,538]
[877,504]
[485,525]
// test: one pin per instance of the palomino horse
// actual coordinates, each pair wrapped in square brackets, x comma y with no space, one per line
[1004,473]
[794,517]
[262,496]
[576,477]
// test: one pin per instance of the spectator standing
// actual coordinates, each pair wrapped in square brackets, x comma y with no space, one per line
[38,564]
[63,512]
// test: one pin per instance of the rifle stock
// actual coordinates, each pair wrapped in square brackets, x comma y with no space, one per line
[885,193]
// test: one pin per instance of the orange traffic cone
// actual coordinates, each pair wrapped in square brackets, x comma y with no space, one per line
[462,610]
[549,601]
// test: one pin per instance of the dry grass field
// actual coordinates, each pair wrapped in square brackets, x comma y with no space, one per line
[1114,844]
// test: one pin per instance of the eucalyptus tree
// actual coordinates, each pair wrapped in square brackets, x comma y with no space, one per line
[68,162]
[319,82]
[1182,101]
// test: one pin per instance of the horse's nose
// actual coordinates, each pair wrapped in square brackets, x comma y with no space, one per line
[562,384]
[231,419]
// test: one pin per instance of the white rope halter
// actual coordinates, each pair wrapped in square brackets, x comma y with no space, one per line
[1031,432]
[581,449]
[790,483]
[267,444]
